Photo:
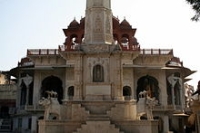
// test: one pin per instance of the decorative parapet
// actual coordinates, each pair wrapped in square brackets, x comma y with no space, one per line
[42,52]
[156,51]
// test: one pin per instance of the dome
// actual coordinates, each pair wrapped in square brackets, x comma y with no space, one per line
[125,24]
[74,24]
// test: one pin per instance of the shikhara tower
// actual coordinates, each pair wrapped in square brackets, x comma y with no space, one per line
[99,73]
[98,22]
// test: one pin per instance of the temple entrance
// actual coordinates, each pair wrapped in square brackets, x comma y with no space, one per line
[149,84]
[52,83]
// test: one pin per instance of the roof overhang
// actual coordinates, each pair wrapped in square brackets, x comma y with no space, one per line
[49,67]
[181,115]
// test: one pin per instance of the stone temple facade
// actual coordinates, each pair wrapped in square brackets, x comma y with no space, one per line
[100,80]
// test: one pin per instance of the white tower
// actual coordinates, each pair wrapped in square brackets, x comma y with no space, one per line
[98,22]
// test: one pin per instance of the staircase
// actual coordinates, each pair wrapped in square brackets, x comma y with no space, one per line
[98,123]
[5,126]
[98,127]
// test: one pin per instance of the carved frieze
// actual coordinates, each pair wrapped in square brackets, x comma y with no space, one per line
[97,48]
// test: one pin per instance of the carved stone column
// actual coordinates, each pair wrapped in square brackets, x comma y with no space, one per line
[78,78]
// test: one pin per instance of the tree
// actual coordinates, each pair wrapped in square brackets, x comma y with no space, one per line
[196,7]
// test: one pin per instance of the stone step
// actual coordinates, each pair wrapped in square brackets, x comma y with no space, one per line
[98,117]
[98,127]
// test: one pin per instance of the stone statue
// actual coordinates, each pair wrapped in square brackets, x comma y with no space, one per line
[145,105]
[51,105]
[150,102]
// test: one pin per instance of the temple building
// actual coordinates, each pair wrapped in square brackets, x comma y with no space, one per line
[100,80]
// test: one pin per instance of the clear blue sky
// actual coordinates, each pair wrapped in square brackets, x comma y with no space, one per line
[37,24]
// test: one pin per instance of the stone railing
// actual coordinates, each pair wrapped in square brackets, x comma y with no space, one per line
[156,51]
[29,108]
[34,108]
[42,52]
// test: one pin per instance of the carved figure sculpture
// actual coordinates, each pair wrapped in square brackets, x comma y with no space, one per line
[142,94]
[51,105]
[150,102]
[145,105]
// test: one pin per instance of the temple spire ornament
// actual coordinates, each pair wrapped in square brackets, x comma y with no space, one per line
[98,22]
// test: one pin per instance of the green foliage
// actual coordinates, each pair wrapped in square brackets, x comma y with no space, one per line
[196,7]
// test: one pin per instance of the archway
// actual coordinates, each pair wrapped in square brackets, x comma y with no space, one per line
[127,92]
[174,86]
[52,83]
[23,94]
[149,84]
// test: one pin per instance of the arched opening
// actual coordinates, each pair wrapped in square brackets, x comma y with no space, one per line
[125,41]
[127,92]
[174,83]
[98,73]
[116,40]
[26,85]
[23,94]
[30,95]
[74,41]
[149,84]
[52,83]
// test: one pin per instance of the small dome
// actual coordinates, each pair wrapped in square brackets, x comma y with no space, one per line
[125,24]
[74,24]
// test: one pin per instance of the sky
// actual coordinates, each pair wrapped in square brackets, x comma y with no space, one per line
[38,24]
